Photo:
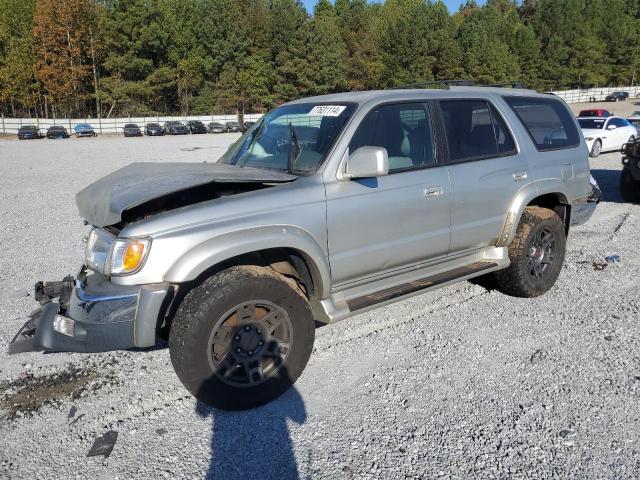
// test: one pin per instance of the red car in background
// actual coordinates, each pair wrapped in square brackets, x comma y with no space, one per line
[595,112]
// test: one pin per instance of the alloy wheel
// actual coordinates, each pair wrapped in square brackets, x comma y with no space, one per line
[250,343]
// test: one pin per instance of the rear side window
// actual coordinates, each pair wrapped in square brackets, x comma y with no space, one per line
[548,122]
[475,130]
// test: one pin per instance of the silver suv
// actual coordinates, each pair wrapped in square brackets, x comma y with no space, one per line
[327,207]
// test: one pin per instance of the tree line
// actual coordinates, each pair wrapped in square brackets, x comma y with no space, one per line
[139,57]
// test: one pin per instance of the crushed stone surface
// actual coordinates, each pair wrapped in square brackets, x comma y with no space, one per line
[462,382]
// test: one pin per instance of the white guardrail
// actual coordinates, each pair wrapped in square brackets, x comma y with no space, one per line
[10,126]
[594,94]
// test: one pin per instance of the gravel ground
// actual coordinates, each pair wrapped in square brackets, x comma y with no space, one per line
[460,382]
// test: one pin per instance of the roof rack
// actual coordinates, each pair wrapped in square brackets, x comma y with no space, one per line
[446,84]
[441,83]
[519,85]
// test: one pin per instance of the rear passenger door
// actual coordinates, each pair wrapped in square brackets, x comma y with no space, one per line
[378,225]
[485,169]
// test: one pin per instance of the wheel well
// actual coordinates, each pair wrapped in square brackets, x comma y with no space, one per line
[286,261]
[556,202]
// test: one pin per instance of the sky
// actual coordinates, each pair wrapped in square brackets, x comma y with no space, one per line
[453,5]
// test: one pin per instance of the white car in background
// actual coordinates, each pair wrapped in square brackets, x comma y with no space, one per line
[606,134]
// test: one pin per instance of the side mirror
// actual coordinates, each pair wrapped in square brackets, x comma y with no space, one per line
[368,162]
[611,127]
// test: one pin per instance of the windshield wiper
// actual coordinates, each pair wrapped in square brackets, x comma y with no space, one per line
[294,140]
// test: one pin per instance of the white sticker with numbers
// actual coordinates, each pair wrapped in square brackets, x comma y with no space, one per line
[326,111]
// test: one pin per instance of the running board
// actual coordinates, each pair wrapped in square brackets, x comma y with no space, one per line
[412,287]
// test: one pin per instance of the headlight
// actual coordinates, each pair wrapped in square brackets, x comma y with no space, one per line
[109,255]
[97,249]
[127,255]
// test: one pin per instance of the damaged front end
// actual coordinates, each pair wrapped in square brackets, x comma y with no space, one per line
[90,314]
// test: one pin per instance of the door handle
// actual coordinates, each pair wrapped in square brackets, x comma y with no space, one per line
[434,191]
[520,176]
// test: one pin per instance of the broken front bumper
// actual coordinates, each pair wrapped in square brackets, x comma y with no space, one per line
[91,315]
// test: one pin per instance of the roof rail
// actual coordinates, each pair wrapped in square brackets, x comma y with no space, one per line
[446,84]
[519,85]
[441,83]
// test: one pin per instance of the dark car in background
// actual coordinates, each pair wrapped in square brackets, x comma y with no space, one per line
[617,97]
[233,127]
[84,130]
[57,131]
[131,130]
[174,127]
[196,126]
[154,129]
[28,132]
[217,127]
[247,125]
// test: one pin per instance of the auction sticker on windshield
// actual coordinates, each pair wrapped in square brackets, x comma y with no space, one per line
[326,111]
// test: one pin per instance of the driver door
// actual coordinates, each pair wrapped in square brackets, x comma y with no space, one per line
[383,224]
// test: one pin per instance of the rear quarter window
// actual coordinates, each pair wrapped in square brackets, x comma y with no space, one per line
[548,122]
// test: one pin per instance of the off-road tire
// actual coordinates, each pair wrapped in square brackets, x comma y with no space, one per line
[516,280]
[629,187]
[596,150]
[196,318]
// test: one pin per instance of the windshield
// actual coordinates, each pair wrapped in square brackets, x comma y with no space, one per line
[591,123]
[293,138]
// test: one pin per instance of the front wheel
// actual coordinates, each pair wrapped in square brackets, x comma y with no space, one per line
[536,254]
[242,338]
[596,149]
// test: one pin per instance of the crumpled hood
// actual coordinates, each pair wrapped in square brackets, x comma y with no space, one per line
[103,202]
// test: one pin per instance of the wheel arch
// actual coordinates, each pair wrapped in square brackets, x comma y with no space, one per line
[547,196]
[289,250]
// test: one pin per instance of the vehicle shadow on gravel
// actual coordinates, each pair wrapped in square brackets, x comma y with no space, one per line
[254,443]
[609,181]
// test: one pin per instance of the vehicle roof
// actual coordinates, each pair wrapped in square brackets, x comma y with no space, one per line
[600,118]
[56,126]
[28,126]
[413,93]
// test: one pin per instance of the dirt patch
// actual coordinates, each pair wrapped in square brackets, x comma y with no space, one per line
[29,393]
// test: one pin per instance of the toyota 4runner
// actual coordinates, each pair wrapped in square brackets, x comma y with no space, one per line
[325,208]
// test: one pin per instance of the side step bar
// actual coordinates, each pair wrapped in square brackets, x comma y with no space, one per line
[412,287]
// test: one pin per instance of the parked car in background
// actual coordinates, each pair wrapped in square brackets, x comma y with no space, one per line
[217,127]
[154,129]
[595,112]
[174,127]
[247,125]
[634,116]
[132,130]
[630,175]
[233,127]
[606,134]
[84,130]
[617,97]
[28,132]
[57,131]
[196,126]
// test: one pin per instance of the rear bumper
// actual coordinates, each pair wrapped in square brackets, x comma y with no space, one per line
[99,316]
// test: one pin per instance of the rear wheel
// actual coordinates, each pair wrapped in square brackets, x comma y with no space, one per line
[596,149]
[629,187]
[536,254]
[242,338]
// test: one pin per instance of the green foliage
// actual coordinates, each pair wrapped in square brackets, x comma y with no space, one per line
[206,56]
